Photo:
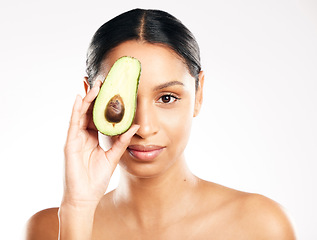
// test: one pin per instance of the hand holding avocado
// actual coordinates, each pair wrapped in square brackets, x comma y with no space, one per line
[88,167]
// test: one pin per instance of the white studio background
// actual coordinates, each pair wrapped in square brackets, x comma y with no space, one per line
[257,129]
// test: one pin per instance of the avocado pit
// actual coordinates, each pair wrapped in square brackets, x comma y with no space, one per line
[115,109]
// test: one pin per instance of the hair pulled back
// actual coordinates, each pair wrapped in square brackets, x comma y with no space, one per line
[152,26]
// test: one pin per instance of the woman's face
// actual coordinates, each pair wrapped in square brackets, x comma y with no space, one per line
[166,105]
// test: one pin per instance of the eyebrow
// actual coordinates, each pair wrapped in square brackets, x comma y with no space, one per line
[168,84]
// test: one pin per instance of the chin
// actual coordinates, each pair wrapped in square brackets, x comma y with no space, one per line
[141,169]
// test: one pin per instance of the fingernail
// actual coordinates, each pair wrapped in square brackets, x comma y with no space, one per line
[99,83]
[78,98]
[136,127]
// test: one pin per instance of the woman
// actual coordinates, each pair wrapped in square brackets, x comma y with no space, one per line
[157,196]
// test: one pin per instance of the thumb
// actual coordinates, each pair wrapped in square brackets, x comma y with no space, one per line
[120,145]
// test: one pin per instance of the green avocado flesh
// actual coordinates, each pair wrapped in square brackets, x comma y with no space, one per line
[115,105]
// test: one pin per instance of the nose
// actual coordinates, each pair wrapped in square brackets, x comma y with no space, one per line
[146,118]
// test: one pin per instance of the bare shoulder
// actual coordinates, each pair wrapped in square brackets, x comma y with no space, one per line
[264,217]
[43,225]
[248,214]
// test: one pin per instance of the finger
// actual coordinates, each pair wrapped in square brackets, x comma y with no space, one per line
[90,97]
[88,105]
[90,125]
[75,118]
[120,145]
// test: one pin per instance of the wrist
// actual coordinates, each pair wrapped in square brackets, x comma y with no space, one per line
[75,204]
[80,208]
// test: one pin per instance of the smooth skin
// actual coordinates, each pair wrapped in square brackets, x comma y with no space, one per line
[157,198]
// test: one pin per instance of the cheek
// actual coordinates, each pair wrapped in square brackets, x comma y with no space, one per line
[177,124]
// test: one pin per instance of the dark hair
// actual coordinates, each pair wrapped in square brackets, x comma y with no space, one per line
[152,26]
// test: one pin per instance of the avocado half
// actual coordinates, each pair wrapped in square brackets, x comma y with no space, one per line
[115,105]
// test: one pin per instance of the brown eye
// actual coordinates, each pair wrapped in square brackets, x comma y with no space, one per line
[168,99]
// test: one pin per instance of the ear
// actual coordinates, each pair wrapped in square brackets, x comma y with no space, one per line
[199,93]
[86,84]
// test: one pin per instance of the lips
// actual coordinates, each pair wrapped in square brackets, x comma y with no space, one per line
[145,152]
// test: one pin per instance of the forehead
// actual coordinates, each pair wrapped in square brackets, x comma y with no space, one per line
[158,63]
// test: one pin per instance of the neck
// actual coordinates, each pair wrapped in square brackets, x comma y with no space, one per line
[157,199]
